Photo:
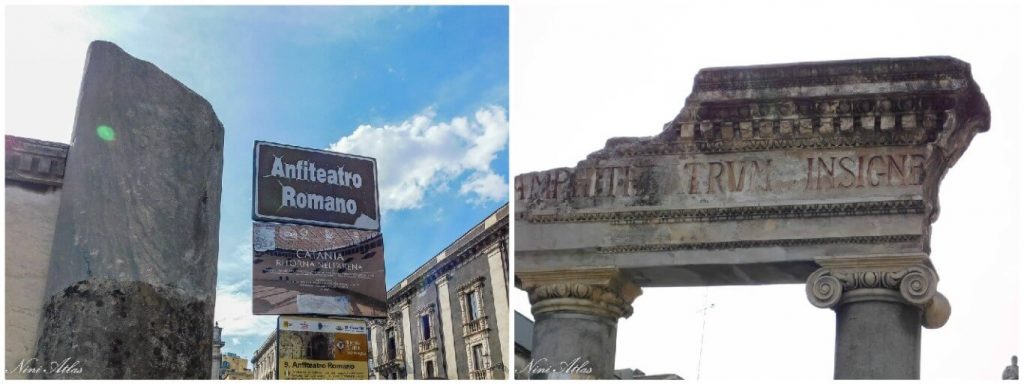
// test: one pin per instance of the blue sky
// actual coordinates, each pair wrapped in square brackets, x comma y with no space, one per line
[423,89]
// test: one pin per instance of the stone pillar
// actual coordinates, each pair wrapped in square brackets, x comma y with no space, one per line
[576,315]
[880,307]
[499,299]
[132,281]
[447,328]
[410,366]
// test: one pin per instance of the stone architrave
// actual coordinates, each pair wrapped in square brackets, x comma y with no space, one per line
[768,174]
[131,286]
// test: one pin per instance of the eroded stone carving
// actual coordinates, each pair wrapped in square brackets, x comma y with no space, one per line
[786,163]
[601,292]
[916,284]
[913,284]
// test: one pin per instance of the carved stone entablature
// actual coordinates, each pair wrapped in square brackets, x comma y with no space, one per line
[908,280]
[738,213]
[602,292]
[765,169]
[35,161]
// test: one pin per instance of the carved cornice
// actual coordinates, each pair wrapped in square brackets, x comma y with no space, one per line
[894,207]
[473,284]
[831,73]
[914,284]
[765,144]
[901,238]
[855,103]
[35,161]
[602,292]
[466,251]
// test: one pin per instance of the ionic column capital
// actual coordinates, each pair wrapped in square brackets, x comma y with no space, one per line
[601,291]
[913,283]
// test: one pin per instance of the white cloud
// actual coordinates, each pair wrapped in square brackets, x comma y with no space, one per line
[234,313]
[485,186]
[234,296]
[421,154]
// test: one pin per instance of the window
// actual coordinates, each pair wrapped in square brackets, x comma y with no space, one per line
[425,326]
[391,344]
[471,304]
[478,356]
[430,369]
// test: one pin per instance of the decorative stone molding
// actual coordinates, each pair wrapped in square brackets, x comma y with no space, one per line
[393,325]
[764,146]
[476,285]
[427,344]
[493,230]
[893,207]
[916,284]
[602,292]
[35,161]
[761,243]
[482,340]
[887,279]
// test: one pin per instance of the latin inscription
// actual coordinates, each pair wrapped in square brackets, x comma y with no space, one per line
[727,176]
[864,171]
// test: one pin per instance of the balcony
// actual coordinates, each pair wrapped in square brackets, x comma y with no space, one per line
[386,365]
[478,374]
[428,345]
[474,326]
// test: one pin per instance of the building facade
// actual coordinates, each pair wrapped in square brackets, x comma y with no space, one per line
[235,367]
[449,318]
[264,360]
[218,343]
[34,177]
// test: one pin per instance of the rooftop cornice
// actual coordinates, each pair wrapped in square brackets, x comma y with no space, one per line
[35,161]
[826,105]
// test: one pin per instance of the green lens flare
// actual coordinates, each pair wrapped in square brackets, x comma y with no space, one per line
[105,132]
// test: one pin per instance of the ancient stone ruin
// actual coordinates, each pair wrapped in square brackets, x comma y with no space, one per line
[130,288]
[822,173]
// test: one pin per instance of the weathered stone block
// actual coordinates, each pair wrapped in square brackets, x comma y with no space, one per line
[846,123]
[135,246]
[760,208]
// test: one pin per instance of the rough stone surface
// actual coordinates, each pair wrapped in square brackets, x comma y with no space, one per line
[138,330]
[878,340]
[140,208]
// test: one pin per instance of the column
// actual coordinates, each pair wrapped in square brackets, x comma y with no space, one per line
[880,308]
[576,314]
[499,299]
[447,328]
[375,334]
[132,280]
[410,366]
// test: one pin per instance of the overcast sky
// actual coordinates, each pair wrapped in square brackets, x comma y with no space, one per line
[424,90]
[581,75]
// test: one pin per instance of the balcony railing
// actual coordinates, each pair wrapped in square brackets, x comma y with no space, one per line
[428,345]
[390,365]
[478,374]
[474,326]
